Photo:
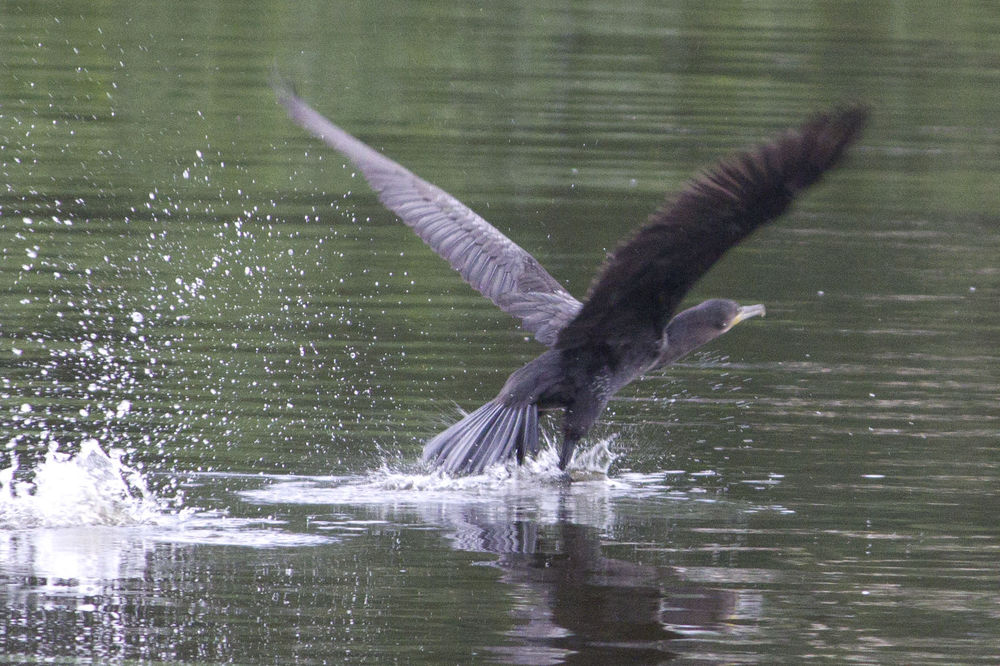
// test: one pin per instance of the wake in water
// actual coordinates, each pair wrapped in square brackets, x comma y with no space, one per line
[89,488]
[500,483]
[589,464]
[93,487]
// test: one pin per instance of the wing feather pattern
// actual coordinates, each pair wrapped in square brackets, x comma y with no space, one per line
[645,279]
[489,261]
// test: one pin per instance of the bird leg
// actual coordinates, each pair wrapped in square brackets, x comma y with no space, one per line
[580,415]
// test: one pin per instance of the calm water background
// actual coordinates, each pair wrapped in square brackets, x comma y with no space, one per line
[189,280]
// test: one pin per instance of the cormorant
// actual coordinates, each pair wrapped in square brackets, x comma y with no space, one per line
[625,327]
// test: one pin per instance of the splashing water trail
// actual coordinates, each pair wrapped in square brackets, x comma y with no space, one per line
[89,488]
[539,476]
[588,464]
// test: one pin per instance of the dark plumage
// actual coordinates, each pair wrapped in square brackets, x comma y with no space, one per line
[626,326]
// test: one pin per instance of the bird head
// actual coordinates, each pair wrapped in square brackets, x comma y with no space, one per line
[702,323]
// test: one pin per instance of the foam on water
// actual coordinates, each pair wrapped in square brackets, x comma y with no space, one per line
[589,464]
[421,484]
[89,488]
[537,488]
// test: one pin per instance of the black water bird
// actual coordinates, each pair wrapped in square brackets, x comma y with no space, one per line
[626,326]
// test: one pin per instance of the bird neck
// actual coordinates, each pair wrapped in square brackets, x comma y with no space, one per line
[677,341]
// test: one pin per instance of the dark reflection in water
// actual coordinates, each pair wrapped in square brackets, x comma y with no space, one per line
[336,583]
[574,605]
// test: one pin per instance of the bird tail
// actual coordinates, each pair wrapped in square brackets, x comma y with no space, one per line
[492,433]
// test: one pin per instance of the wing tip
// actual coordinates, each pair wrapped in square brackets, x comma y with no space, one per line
[745,190]
[823,140]
[283,86]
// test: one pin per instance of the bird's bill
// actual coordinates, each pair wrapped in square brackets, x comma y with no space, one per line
[746,312]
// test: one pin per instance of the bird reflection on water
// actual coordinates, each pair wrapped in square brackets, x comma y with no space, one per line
[567,599]
[627,325]
[572,600]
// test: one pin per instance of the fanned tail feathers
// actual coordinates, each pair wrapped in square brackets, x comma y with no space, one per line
[493,433]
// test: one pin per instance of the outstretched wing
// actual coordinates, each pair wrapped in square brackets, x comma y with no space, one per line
[489,261]
[645,279]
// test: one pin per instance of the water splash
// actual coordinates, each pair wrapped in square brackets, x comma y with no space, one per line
[588,464]
[584,493]
[89,488]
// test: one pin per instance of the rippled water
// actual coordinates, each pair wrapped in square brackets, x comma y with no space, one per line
[220,356]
